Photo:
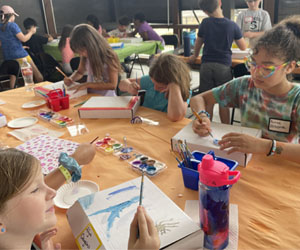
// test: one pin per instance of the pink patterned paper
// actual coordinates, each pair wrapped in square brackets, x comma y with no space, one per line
[47,150]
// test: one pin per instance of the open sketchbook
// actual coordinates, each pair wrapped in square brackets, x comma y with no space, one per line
[102,220]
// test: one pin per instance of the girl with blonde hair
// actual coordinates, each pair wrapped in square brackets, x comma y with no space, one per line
[97,58]
[167,86]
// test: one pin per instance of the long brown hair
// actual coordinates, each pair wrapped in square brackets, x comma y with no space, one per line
[67,29]
[17,168]
[99,52]
[168,68]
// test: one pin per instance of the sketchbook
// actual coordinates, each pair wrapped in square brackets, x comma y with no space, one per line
[102,220]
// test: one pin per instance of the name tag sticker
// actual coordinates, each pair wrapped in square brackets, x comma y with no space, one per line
[248,19]
[281,126]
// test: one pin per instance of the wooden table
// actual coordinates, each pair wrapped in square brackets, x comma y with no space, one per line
[234,63]
[267,194]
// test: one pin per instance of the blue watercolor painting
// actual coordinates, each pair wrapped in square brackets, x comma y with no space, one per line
[121,190]
[115,212]
[87,201]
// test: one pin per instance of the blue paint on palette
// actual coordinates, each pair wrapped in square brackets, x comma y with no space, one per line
[115,212]
[123,190]
[86,201]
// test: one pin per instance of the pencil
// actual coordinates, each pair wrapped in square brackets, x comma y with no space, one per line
[200,120]
[94,140]
[141,189]
[60,71]
[78,104]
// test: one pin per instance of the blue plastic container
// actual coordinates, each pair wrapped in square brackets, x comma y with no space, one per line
[191,175]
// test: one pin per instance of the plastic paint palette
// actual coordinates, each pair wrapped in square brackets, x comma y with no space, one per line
[137,160]
[108,145]
[55,118]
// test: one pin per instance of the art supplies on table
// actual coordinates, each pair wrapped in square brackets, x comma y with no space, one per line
[138,161]
[102,220]
[47,150]
[189,168]
[28,133]
[206,143]
[3,120]
[54,118]
[57,100]
[110,107]
[43,91]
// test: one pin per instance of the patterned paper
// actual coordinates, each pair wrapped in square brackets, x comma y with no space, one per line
[47,150]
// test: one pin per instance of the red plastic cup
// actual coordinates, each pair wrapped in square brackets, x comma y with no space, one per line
[55,104]
[64,102]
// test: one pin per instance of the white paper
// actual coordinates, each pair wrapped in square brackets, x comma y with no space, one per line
[111,211]
[107,102]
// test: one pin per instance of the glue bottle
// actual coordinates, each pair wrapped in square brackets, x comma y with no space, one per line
[214,187]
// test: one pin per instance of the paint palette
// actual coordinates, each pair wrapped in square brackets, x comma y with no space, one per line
[54,118]
[108,145]
[147,164]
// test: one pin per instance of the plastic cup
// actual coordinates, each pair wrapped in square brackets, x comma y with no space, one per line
[64,102]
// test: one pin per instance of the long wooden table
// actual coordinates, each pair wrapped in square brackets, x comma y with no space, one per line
[267,194]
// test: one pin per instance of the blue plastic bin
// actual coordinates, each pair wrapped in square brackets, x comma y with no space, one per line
[190,174]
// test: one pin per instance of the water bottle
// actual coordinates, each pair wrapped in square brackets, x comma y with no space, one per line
[186,46]
[27,74]
[214,185]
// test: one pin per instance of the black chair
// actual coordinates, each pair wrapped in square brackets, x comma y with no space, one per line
[49,70]
[75,63]
[238,71]
[171,40]
[8,68]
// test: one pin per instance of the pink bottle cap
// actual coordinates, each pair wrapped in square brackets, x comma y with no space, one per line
[215,173]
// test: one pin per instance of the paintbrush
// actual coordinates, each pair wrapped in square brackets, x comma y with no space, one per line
[200,120]
[94,140]
[60,71]
[142,188]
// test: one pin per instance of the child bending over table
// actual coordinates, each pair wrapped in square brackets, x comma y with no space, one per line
[97,58]
[167,86]
[65,49]
[26,201]
[267,99]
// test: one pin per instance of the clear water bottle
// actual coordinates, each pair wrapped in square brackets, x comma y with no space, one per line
[27,74]
[215,180]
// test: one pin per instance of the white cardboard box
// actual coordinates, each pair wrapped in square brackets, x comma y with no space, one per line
[102,220]
[239,54]
[205,144]
[110,107]
[131,39]
[59,85]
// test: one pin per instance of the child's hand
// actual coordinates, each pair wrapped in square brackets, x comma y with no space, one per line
[133,88]
[202,128]
[249,34]
[237,142]
[143,225]
[130,86]
[68,81]
[46,240]
[84,154]
[79,87]
[32,30]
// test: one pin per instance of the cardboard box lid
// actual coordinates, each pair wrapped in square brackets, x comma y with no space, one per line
[110,103]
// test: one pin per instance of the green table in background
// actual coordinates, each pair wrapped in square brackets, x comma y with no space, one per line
[148,47]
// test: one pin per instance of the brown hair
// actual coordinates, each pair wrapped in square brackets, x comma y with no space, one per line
[168,68]
[208,6]
[67,29]
[282,41]
[17,168]
[99,52]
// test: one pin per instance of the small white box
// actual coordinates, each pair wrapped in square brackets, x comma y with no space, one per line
[110,107]
[239,54]
[205,144]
